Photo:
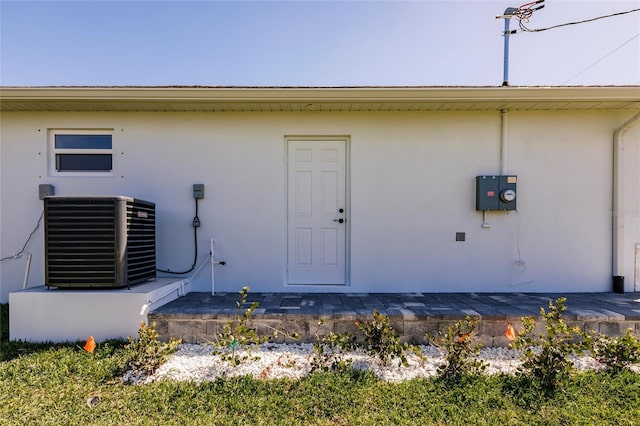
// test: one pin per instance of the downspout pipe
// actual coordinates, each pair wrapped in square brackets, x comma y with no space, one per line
[618,208]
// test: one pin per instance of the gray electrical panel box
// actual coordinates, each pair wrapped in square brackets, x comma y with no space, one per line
[45,190]
[496,192]
[198,191]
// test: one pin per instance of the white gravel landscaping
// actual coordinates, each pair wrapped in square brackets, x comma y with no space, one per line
[196,362]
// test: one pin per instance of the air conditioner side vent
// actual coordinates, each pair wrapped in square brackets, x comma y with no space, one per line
[98,241]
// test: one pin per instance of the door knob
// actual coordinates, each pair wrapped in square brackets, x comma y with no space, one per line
[339,220]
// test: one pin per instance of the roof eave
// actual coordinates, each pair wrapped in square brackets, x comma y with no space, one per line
[43,98]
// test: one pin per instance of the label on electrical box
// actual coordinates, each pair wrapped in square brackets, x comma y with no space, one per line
[512,179]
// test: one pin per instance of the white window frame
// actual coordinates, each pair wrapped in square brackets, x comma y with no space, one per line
[53,152]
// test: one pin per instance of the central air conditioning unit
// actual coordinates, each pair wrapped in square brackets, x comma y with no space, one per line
[99,241]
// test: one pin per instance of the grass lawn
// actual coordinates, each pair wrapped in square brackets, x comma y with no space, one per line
[51,384]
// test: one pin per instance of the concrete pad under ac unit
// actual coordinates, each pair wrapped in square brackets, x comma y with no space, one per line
[42,314]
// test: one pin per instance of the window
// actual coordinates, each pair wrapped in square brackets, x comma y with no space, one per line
[78,151]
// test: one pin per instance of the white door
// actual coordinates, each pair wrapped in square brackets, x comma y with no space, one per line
[317,216]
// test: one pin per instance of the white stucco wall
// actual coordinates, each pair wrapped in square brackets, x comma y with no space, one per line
[412,188]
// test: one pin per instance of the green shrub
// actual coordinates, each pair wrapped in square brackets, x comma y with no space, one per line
[146,353]
[617,353]
[238,333]
[546,356]
[382,341]
[329,351]
[460,349]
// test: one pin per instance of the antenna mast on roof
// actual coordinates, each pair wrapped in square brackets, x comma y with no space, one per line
[522,12]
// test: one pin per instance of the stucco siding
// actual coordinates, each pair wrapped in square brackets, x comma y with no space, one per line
[411,187]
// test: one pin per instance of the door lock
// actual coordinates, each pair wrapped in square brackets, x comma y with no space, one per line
[339,220]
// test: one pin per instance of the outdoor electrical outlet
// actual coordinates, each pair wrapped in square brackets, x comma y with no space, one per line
[198,191]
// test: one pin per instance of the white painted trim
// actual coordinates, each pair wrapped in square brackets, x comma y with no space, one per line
[270,98]
[388,93]
[52,151]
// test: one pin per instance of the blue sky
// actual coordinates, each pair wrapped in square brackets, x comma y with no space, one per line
[312,43]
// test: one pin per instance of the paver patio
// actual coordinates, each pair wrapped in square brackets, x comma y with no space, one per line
[198,317]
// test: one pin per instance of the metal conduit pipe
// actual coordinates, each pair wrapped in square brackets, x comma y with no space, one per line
[617,213]
[503,155]
[503,141]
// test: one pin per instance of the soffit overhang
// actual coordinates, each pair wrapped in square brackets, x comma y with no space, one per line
[314,99]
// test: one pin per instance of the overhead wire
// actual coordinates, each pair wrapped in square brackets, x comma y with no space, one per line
[602,58]
[525,11]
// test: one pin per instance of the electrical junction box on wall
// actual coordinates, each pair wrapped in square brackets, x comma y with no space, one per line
[198,191]
[496,192]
